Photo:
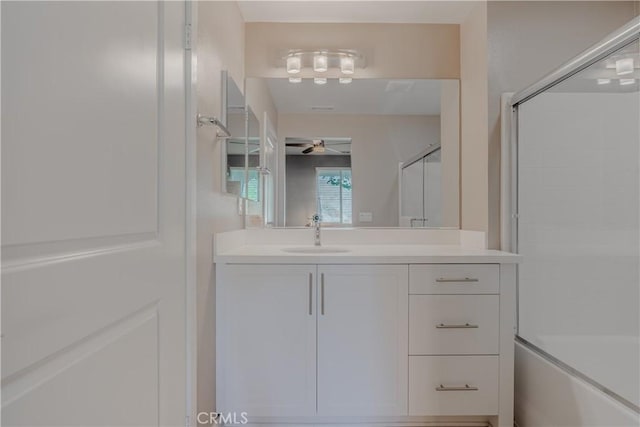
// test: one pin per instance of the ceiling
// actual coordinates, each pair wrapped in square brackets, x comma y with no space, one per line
[418,12]
[361,96]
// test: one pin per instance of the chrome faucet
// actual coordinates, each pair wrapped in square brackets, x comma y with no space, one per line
[316,229]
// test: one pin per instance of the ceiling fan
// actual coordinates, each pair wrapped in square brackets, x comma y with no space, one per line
[313,145]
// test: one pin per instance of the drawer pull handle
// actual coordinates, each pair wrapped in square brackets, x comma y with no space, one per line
[464,280]
[466,387]
[465,326]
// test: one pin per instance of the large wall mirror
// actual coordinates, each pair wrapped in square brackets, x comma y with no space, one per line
[370,153]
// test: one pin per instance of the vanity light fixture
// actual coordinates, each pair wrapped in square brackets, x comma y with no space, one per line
[294,64]
[295,79]
[624,66]
[604,81]
[347,64]
[345,80]
[625,82]
[320,80]
[320,62]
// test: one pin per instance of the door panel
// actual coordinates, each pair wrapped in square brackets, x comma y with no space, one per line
[266,340]
[363,340]
[93,207]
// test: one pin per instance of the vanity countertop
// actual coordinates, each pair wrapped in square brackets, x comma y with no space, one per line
[364,254]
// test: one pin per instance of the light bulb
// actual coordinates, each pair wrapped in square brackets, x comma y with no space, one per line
[347,64]
[625,82]
[320,63]
[320,80]
[624,66]
[294,63]
[604,81]
[295,79]
[345,80]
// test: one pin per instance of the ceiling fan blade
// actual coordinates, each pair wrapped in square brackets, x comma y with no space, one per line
[298,145]
[308,150]
[255,150]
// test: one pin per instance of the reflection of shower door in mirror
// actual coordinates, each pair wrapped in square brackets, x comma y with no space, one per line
[421,191]
[432,187]
[269,161]
[412,194]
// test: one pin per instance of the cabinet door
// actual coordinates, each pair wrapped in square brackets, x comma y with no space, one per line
[363,340]
[266,340]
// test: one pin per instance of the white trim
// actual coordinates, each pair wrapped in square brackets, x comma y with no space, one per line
[191,108]
[507,138]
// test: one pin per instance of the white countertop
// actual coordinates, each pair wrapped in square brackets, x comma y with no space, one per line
[366,254]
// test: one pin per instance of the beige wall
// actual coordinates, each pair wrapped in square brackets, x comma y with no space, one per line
[419,51]
[379,143]
[450,150]
[219,46]
[473,110]
[526,40]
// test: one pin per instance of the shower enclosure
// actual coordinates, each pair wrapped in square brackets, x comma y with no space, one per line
[575,216]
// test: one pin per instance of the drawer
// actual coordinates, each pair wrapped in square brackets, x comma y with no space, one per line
[454,324]
[454,279]
[453,385]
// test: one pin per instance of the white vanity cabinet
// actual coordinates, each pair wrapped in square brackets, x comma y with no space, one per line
[454,339]
[338,344]
[362,340]
[266,340]
[270,319]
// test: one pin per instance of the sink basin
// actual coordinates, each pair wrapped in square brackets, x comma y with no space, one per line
[315,250]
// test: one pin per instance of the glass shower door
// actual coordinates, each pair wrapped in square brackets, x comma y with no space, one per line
[578,201]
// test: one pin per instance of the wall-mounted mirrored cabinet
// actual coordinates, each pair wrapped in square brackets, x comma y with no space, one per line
[341,146]
[242,150]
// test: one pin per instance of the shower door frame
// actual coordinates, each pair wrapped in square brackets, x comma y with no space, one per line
[624,36]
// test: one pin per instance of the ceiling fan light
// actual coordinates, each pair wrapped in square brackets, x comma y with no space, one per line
[320,63]
[345,80]
[347,65]
[295,79]
[320,80]
[294,64]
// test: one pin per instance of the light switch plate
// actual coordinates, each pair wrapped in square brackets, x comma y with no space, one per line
[365,216]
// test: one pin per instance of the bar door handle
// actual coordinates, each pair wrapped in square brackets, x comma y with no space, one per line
[310,294]
[322,293]
[466,387]
[465,326]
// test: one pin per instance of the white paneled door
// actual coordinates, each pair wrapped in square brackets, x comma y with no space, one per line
[93,214]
